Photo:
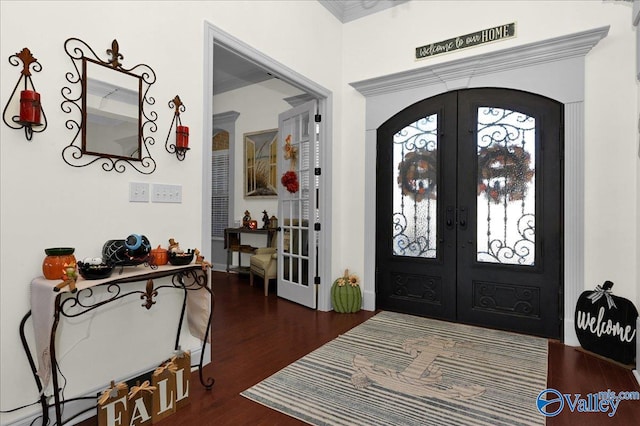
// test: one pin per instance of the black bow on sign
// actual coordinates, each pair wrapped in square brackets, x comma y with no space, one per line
[604,290]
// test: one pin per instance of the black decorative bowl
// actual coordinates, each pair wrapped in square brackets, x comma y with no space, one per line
[95,272]
[59,251]
[181,258]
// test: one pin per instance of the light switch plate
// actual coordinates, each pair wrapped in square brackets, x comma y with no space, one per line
[138,192]
[162,193]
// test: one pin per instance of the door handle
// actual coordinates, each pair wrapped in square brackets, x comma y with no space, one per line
[462,217]
[449,217]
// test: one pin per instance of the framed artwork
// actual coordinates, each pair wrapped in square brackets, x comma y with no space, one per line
[260,162]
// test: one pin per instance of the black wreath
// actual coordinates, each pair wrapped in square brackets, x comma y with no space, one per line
[510,165]
[417,174]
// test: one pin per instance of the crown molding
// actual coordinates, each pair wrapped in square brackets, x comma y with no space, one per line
[225,117]
[559,48]
[303,98]
[350,10]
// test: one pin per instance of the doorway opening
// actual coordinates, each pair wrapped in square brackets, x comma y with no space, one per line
[554,68]
[215,39]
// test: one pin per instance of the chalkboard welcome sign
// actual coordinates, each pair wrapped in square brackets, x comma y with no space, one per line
[606,324]
[489,35]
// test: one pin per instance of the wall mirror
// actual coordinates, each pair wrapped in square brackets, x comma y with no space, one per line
[111,112]
[110,103]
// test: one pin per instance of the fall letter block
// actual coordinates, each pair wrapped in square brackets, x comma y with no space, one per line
[182,362]
[112,406]
[164,397]
[141,404]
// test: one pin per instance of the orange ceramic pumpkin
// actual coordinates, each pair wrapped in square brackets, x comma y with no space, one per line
[160,256]
[53,264]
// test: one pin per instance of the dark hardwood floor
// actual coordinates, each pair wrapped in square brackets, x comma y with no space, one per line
[255,336]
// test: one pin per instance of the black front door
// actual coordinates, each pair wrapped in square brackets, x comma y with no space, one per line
[469,210]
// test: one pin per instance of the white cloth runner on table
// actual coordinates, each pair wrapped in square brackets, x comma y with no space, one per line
[43,309]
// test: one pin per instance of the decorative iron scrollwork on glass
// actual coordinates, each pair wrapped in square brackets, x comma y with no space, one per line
[114,123]
[506,186]
[415,150]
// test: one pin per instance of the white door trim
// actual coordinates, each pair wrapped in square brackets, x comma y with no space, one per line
[553,68]
[214,35]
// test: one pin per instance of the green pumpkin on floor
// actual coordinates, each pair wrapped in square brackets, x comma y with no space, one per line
[345,293]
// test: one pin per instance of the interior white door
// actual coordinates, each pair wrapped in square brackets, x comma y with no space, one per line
[298,192]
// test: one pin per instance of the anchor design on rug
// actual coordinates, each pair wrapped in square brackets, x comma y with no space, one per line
[420,378]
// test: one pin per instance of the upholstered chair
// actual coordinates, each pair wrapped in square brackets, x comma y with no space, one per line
[263,264]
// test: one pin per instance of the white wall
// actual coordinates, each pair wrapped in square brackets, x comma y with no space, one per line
[46,203]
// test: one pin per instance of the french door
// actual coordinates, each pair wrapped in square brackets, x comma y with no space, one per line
[298,213]
[469,210]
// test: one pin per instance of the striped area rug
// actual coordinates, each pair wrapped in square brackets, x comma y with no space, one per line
[397,369]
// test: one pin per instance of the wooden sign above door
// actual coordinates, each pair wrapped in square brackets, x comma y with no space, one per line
[477,38]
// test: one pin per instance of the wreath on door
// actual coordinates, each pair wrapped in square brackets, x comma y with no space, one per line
[417,175]
[504,172]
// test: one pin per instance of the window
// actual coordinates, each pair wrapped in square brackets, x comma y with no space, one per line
[220,184]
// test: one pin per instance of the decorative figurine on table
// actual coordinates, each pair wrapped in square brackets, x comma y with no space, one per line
[265,220]
[174,246]
[246,219]
[200,260]
[70,275]
[177,256]
[273,222]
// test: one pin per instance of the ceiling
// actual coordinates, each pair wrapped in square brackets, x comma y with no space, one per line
[231,71]
[350,10]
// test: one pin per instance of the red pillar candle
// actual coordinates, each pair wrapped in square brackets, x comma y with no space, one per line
[30,107]
[182,137]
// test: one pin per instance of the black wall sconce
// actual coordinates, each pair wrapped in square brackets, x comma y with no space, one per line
[31,115]
[181,146]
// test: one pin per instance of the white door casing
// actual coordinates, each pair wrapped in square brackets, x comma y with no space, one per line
[554,68]
[214,35]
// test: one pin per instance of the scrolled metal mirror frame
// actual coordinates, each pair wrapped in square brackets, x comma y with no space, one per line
[74,153]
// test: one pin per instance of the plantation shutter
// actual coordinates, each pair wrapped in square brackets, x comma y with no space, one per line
[220,184]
